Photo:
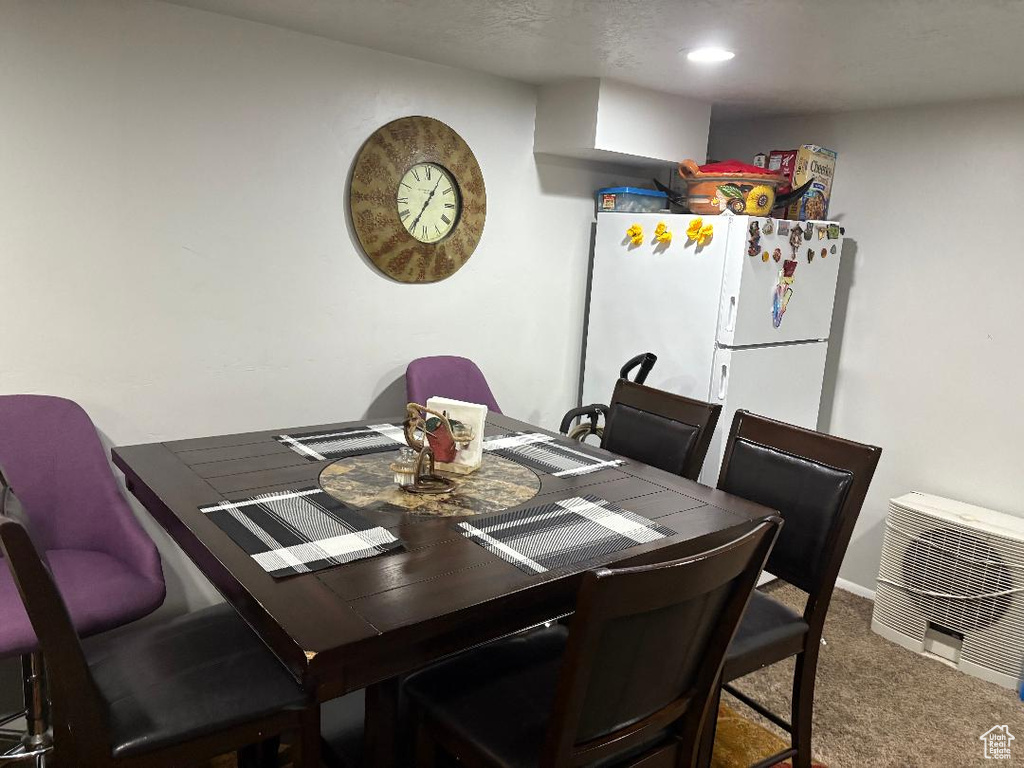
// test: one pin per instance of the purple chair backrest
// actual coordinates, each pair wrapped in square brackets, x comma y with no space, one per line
[58,468]
[447,376]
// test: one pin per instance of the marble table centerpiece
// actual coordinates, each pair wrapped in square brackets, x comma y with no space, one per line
[367,483]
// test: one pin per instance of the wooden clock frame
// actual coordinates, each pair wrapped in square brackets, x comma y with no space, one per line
[380,165]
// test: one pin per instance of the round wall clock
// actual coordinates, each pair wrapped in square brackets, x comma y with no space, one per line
[418,200]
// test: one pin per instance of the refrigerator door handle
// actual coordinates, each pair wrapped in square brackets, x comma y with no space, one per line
[730,320]
[723,382]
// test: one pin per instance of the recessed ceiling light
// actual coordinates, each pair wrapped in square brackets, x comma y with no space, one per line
[709,55]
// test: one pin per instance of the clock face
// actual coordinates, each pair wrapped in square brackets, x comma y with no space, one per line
[428,202]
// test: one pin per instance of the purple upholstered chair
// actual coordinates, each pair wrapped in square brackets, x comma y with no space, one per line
[106,567]
[447,376]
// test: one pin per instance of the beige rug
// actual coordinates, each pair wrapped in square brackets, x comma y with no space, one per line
[741,742]
[880,705]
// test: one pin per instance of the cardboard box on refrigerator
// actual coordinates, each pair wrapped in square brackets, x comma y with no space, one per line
[782,162]
[809,163]
[817,165]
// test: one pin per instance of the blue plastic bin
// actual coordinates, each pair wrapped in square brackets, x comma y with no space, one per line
[631,200]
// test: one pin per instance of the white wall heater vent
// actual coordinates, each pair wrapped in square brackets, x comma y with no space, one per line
[951,585]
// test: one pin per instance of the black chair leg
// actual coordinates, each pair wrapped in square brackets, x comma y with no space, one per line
[707,737]
[803,706]
[426,747]
[249,756]
[262,755]
[270,751]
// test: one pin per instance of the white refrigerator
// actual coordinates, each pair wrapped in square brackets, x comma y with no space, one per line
[742,320]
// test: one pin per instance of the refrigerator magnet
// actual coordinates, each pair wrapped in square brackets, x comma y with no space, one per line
[705,235]
[833,231]
[783,291]
[824,252]
[769,227]
[780,300]
[700,233]
[783,227]
[795,237]
[777,254]
[833,248]
[810,255]
[635,234]
[765,256]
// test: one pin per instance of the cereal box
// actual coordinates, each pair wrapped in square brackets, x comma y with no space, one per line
[817,165]
[782,162]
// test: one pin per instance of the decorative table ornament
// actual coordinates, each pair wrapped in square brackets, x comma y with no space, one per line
[432,425]
[425,479]
[467,421]
[452,429]
[404,467]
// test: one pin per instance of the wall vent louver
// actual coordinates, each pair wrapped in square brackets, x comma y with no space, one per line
[951,585]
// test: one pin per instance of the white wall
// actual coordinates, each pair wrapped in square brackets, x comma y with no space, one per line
[927,358]
[597,118]
[567,117]
[174,242]
[645,123]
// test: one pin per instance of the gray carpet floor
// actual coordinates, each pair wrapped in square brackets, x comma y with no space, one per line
[877,704]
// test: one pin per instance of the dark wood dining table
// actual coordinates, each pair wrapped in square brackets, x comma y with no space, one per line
[366,623]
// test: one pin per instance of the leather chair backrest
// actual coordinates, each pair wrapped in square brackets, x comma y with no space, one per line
[659,428]
[809,496]
[645,649]
[647,660]
[817,482]
[649,438]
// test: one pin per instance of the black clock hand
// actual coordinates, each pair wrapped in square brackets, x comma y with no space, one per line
[424,208]
[425,204]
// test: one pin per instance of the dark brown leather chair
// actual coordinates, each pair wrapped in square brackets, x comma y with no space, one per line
[659,428]
[628,681]
[818,484]
[175,694]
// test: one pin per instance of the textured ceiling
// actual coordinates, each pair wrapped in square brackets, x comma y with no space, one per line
[791,55]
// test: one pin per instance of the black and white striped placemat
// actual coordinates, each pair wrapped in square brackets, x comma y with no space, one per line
[299,531]
[339,444]
[563,533]
[544,454]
